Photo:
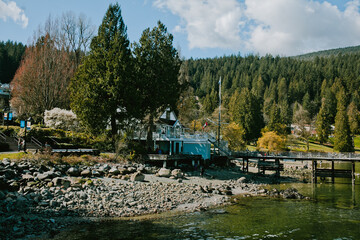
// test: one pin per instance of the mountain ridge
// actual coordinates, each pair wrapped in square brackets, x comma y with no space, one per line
[329,53]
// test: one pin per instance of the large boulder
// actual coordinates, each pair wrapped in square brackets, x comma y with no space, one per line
[131,169]
[105,167]
[177,173]
[164,172]
[27,177]
[123,170]
[46,175]
[73,172]
[85,173]
[242,180]
[114,171]
[61,182]
[8,173]
[151,170]
[6,161]
[95,173]
[137,177]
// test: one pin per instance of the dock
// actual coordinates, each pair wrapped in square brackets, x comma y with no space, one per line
[270,161]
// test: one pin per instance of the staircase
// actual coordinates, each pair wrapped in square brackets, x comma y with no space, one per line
[13,146]
[221,150]
[13,142]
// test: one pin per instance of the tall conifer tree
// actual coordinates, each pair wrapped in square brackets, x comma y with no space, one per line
[102,91]
[157,66]
[343,141]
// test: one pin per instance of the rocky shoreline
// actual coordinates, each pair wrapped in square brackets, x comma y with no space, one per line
[38,199]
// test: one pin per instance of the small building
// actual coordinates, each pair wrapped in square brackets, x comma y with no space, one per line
[171,137]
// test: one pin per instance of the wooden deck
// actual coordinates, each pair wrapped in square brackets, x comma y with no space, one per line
[173,159]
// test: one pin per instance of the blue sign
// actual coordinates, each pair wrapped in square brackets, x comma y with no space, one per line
[10,116]
[22,123]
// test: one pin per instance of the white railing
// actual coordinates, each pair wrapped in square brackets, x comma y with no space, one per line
[171,132]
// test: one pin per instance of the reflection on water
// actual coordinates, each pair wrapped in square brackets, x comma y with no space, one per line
[333,213]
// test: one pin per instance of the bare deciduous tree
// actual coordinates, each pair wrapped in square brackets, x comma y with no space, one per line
[41,81]
[76,32]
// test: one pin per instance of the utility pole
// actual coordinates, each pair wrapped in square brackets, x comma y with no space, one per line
[219,124]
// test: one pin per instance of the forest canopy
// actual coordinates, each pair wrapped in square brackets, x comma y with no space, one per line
[274,85]
[10,57]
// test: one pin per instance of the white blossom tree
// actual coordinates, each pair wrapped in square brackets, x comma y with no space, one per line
[61,119]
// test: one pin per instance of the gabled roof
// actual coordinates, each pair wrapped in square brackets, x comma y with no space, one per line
[169,118]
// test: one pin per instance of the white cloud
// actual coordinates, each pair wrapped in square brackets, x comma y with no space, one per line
[292,27]
[208,23]
[11,10]
[285,27]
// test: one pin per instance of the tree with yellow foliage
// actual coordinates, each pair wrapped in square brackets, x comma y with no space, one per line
[234,134]
[272,142]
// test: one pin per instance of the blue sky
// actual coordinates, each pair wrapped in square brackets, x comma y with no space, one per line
[208,28]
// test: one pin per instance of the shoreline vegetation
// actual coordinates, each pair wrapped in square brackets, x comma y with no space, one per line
[40,198]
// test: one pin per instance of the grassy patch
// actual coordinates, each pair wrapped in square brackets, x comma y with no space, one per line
[16,156]
[300,146]
[357,142]
[251,147]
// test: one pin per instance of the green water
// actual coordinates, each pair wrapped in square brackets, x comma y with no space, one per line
[333,213]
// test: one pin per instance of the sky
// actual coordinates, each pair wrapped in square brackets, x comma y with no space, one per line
[207,28]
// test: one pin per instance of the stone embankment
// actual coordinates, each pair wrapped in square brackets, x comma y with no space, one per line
[36,199]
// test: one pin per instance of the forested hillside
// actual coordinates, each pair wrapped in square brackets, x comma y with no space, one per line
[331,52]
[10,57]
[266,91]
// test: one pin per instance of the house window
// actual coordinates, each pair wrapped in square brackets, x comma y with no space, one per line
[167,115]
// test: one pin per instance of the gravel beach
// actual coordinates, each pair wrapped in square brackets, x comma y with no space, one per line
[39,200]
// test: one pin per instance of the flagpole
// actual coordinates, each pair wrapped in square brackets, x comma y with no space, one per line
[219,113]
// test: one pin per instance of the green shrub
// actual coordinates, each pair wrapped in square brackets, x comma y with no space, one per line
[10,130]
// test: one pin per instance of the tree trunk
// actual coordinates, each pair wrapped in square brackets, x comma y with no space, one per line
[114,129]
[307,145]
[149,140]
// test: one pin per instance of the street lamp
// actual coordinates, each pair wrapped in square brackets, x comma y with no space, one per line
[25,124]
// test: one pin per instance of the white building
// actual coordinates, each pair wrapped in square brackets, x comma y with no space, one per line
[172,138]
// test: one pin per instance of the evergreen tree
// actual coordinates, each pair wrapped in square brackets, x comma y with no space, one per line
[275,124]
[157,67]
[356,99]
[323,122]
[103,90]
[343,141]
[10,57]
[354,118]
[245,111]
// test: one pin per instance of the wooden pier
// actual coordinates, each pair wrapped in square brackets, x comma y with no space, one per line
[271,162]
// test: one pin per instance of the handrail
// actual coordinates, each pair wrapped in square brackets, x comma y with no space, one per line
[36,142]
[226,152]
[52,139]
[3,136]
